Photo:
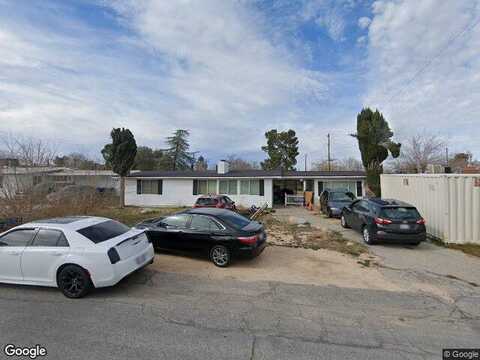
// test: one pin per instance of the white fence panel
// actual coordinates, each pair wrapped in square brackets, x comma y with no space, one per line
[450,203]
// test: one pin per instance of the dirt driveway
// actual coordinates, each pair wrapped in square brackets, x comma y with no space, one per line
[284,264]
[428,268]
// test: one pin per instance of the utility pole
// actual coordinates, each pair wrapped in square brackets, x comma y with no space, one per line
[306,162]
[446,155]
[329,160]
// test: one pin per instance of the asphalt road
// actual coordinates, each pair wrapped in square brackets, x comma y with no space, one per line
[155,315]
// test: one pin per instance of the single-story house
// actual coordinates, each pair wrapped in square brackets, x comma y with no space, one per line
[245,187]
[16,180]
[99,179]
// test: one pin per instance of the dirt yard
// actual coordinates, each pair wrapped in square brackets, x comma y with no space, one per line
[277,263]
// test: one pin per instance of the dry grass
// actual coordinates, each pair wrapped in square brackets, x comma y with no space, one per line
[471,249]
[83,204]
[304,236]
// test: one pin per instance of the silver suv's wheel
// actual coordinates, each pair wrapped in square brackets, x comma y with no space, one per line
[220,255]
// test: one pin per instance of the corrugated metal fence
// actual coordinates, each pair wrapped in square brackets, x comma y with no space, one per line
[449,202]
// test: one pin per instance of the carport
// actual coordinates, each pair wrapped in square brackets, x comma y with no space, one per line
[290,187]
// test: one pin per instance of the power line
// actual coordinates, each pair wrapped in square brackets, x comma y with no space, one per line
[422,69]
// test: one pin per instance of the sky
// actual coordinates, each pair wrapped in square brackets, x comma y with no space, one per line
[229,70]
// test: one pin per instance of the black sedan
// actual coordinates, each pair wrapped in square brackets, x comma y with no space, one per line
[223,234]
[385,220]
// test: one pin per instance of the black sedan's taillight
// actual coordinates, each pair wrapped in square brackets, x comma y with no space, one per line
[113,256]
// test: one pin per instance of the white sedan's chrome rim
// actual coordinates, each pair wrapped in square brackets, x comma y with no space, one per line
[220,256]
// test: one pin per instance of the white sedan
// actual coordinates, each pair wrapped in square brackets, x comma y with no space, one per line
[74,254]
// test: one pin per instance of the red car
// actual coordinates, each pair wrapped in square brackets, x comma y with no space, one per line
[215,201]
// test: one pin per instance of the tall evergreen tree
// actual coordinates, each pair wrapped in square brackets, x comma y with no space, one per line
[120,156]
[180,158]
[374,141]
[282,150]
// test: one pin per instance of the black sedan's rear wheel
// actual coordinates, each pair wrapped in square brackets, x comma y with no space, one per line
[74,282]
[220,255]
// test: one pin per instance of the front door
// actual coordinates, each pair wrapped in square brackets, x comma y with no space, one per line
[43,256]
[12,245]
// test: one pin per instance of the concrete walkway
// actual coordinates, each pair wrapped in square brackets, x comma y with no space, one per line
[427,267]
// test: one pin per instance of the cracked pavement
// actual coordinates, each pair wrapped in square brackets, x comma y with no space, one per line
[163,315]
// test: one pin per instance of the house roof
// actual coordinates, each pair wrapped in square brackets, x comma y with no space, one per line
[245,173]
[74,172]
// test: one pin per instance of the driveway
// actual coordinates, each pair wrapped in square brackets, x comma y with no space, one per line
[448,273]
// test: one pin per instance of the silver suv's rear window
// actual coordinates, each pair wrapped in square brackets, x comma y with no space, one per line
[104,231]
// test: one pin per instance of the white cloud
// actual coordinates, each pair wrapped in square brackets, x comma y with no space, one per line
[364,22]
[425,68]
[205,66]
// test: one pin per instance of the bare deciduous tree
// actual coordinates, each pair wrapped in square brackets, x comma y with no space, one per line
[348,164]
[237,163]
[30,152]
[418,152]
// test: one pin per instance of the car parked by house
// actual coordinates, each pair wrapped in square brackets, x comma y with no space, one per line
[386,220]
[75,254]
[215,201]
[221,234]
[332,202]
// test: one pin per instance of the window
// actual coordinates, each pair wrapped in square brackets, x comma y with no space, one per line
[17,238]
[1,182]
[235,220]
[252,187]
[150,187]
[203,223]
[341,196]
[51,238]
[228,187]
[104,231]
[400,213]
[37,179]
[204,201]
[359,189]
[361,206]
[204,187]
[178,221]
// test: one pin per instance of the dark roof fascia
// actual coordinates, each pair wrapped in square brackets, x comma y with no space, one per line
[313,175]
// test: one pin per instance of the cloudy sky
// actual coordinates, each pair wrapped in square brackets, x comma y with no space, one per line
[228,70]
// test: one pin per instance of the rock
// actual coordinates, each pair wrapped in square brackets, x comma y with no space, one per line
[297,220]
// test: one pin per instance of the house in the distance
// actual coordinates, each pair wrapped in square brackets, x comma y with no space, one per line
[245,187]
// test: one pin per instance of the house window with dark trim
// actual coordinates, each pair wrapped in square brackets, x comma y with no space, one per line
[359,189]
[228,187]
[204,187]
[150,187]
[252,187]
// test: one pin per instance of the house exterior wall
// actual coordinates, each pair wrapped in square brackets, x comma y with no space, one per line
[12,184]
[450,203]
[97,181]
[179,192]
